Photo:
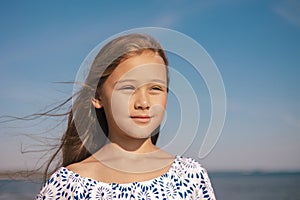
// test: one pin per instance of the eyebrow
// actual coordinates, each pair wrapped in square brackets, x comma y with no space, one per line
[133,80]
[124,80]
[158,80]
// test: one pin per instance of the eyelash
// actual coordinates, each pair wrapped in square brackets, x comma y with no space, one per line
[156,88]
[128,87]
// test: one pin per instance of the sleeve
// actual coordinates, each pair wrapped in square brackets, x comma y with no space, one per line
[206,190]
[52,188]
[59,186]
[198,177]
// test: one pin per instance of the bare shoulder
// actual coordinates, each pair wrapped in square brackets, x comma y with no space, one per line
[84,167]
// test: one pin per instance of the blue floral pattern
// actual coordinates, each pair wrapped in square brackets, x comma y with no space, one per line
[186,179]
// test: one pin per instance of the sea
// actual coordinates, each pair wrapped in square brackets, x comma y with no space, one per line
[227,186]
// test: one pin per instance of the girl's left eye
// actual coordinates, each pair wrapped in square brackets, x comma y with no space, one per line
[156,88]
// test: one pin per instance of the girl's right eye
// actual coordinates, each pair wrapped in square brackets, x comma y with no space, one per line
[127,87]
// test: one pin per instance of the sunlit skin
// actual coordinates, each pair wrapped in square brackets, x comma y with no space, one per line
[134,98]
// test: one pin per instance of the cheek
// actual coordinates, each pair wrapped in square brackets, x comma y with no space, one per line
[119,105]
[158,111]
[161,101]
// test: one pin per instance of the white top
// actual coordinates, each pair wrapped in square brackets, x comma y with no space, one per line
[186,179]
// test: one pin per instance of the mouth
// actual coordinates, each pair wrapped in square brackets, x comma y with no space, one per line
[141,119]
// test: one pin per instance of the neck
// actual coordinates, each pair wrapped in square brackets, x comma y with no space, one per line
[133,145]
[133,156]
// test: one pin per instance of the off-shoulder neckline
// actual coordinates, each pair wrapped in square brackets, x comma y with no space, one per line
[170,170]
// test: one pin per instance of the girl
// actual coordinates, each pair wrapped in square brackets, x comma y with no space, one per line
[108,149]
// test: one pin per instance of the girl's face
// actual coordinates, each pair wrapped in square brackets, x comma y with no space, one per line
[134,96]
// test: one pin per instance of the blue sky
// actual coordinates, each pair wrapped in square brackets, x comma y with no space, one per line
[255,44]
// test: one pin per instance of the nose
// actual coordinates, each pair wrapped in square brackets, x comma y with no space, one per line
[141,100]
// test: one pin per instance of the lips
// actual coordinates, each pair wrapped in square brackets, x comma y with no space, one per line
[141,118]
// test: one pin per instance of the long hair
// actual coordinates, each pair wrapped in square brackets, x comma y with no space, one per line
[87,127]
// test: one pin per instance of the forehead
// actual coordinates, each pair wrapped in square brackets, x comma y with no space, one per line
[141,67]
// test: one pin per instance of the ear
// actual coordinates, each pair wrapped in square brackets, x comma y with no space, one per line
[96,103]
